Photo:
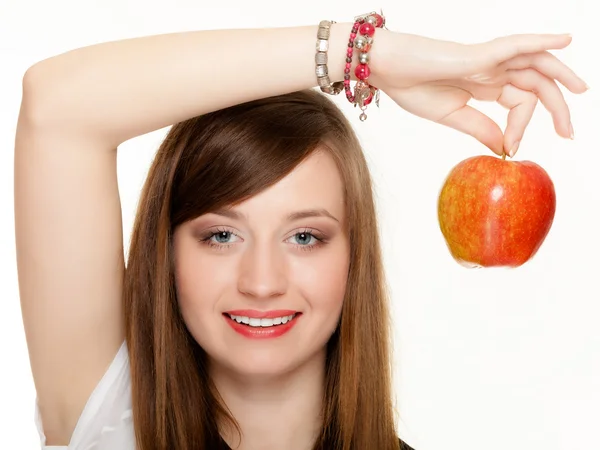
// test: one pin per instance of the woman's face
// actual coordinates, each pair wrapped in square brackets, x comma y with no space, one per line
[241,273]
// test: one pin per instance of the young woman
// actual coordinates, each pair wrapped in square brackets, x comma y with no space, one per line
[252,313]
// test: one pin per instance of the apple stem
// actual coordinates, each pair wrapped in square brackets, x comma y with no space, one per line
[503,156]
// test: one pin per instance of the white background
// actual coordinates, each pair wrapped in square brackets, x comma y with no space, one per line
[485,359]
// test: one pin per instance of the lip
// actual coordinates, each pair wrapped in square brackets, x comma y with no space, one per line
[254,314]
[260,332]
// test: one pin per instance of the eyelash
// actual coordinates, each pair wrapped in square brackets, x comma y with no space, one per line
[207,240]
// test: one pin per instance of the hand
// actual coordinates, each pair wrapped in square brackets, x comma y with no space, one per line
[439,78]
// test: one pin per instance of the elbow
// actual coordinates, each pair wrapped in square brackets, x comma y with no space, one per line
[36,97]
[31,97]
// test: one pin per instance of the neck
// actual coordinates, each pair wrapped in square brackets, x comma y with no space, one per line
[274,412]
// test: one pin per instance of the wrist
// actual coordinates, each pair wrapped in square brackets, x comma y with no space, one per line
[356,52]
[338,46]
[379,55]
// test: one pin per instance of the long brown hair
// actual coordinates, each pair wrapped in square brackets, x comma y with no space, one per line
[220,159]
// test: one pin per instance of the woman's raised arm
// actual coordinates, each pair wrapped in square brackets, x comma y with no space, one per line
[77,108]
[117,90]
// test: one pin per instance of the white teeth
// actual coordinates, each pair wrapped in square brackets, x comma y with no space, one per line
[253,322]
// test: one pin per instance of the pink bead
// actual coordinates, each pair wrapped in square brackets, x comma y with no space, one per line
[352,36]
[366,29]
[380,20]
[347,82]
[348,65]
[362,72]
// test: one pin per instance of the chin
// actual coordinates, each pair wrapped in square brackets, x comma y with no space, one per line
[266,363]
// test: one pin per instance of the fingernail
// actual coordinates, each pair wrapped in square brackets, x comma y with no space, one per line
[571,132]
[514,149]
[587,87]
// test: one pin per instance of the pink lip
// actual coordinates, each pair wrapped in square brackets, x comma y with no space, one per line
[254,314]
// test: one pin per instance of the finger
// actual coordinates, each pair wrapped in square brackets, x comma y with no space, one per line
[522,105]
[507,47]
[480,90]
[550,96]
[550,66]
[470,121]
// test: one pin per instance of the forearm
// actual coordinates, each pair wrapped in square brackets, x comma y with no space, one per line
[122,89]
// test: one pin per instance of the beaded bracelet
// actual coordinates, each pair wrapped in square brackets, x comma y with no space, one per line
[321,60]
[361,38]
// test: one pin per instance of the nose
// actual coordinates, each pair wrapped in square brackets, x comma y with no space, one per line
[262,272]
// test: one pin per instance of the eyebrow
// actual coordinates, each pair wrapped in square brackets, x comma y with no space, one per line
[303,214]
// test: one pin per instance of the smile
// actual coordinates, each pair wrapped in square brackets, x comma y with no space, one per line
[255,322]
[261,328]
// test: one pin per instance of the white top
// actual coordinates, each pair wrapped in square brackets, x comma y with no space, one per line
[106,421]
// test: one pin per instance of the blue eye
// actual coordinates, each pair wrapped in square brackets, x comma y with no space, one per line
[222,236]
[304,238]
[307,240]
[220,239]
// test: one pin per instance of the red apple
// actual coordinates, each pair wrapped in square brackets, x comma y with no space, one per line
[495,212]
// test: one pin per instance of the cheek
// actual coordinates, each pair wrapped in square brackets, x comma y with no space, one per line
[321,280]
[199,286]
